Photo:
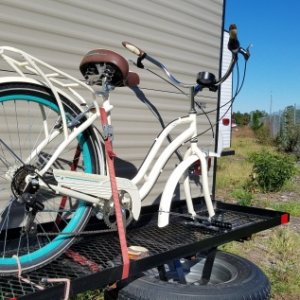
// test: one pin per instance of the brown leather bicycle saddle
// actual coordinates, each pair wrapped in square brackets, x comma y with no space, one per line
[110,64]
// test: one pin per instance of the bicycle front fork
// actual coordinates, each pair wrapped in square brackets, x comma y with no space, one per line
[191,156]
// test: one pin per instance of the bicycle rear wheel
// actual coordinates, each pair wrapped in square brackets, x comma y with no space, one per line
[25,109]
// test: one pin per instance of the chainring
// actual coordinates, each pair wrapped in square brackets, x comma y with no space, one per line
[109,216]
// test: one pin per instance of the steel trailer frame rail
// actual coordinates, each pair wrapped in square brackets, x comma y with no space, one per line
[164,244]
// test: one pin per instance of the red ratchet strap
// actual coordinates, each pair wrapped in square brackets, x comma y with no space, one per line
[110,162]
[83,260]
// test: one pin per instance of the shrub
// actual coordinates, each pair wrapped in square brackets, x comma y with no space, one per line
[289,136]
[289,141]
[263,135]
[256,119]
[242,196]
[270,170]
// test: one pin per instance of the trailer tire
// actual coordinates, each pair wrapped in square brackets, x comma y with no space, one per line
[233,278]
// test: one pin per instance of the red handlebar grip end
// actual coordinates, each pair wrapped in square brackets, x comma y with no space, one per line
[233,31]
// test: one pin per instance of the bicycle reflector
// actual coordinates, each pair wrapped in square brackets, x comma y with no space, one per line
[196,167]
[285,218]
[225,121]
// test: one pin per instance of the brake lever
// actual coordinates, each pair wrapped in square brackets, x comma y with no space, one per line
[139,63]
[245,52]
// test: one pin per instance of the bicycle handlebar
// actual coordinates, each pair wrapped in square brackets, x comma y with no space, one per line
[233,46]
[143,55]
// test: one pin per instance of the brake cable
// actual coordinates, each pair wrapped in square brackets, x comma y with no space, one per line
[230,101]
[180,90]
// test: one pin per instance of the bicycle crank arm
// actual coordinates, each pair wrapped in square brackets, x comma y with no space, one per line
[91,187]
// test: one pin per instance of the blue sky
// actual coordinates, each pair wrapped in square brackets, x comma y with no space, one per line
[273,27]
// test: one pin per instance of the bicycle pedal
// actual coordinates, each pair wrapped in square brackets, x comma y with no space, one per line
[210,225]
[221,224]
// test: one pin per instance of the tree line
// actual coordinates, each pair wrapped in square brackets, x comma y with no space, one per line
[244,119]
[288,137]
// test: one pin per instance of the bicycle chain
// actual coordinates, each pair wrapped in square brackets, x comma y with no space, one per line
[75,234]
[93,232]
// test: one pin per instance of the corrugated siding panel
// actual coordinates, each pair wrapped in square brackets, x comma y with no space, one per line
[184,34]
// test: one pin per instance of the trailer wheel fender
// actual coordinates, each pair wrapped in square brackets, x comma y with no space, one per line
[233,278]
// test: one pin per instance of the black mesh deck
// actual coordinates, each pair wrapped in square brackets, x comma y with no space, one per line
[174,241]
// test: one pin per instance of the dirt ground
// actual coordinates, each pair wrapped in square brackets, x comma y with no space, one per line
[285,197]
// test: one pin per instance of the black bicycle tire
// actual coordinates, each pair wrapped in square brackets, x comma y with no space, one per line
[42,91]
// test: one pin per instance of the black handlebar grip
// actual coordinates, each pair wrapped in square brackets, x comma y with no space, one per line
[233,43]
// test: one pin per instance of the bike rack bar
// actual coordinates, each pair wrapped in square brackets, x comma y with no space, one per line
[164,245]
[208,265]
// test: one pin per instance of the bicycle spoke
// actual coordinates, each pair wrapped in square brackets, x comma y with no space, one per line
[11,152]
[6,221]
[18,130]
[4,160]
[25,147]
[6,123]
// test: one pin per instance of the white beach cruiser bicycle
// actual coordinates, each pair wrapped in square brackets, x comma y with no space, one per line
[52,165]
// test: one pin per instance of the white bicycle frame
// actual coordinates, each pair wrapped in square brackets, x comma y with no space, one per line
[192,155]
[67,87]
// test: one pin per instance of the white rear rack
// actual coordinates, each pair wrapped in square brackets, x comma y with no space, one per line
[27,66]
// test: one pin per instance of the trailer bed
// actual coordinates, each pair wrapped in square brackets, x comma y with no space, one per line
[100,263]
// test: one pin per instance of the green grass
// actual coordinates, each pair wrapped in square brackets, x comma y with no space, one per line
[90,295]
[293,208]
[242,196]
[234,171]
[284,268]
[293,185]
[277,254]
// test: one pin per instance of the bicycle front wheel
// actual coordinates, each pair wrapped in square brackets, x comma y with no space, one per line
[29,113]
